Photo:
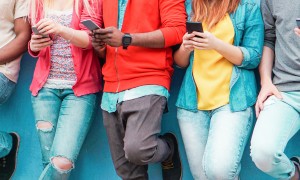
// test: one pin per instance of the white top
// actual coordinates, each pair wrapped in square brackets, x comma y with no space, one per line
[9,11]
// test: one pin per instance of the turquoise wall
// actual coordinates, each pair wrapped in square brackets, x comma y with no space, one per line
[94,162]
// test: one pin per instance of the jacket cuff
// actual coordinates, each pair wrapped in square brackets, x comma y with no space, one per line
[171,36]
[246,57]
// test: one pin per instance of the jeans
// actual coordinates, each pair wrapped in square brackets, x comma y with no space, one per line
[70,118]
[215,141]
[132,133]
[6,89]
[277,123]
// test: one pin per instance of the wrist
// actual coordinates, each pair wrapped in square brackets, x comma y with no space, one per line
[265,81]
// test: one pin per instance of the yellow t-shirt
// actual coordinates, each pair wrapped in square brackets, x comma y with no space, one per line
[211,71]
[9,11]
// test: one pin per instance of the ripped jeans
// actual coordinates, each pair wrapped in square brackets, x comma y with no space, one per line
[62,121]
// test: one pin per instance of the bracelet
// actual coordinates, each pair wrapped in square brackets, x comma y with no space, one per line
[73,32]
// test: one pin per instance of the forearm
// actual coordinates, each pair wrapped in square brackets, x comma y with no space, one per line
[78,38]
[154,39]
[14,49]
[182,57]
[266,65]
[230,52]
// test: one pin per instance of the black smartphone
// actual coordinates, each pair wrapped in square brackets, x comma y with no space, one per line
[91,25]
[36,32]
[298,22]
[193,26]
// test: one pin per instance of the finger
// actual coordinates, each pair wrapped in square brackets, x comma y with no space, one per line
[199,48]
[200,40]
[47,28]
[257,110]
[41,41]
[277,94]
[261,104]
[188,36]
[43,25]
[35,37]
[198,44]
[103,31]
[104,36]
[203,35]
[45,44]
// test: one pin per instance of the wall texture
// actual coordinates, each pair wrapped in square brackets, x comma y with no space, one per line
[94,162]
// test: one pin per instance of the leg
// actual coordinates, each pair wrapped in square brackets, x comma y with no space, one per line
[194,130]
[141,143]
[276,125]
[75,117]
[228,136]
[115,130]
[5,144]
[6,88]
[46,107]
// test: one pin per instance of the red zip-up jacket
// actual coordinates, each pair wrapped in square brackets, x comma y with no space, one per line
[86,63]
[137,66]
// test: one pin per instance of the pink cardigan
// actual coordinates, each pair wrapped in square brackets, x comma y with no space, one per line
[86,62]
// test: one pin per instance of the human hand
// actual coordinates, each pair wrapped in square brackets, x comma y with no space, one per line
[267,90]
[38,42]
[204,40]
[48,26]
[111,36]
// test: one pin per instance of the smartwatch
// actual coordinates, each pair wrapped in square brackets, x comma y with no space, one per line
[126,40]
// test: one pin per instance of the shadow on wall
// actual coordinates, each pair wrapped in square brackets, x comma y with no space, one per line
[94,162]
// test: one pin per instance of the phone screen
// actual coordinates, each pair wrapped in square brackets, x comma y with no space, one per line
[194,26]
[36,32]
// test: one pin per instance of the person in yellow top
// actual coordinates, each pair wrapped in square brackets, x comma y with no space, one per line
[215,102]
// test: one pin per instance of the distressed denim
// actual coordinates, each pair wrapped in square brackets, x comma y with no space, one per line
[6,89]
[277,123]
[215,140]
[249,36]
[70,117]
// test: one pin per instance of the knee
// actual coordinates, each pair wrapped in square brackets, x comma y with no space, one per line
[137,153]
[265,157]
[44,126]
[62,164]
[220,170]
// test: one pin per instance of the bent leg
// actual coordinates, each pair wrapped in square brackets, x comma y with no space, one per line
[6,88]
[228,136]
[276,125]
[5,143]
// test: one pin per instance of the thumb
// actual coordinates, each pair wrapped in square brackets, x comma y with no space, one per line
[277,94]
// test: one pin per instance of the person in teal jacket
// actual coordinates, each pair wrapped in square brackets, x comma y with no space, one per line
[215,102]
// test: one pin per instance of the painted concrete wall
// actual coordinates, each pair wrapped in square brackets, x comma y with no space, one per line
[94,162]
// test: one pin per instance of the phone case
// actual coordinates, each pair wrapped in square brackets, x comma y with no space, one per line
[298,22]
[90,25]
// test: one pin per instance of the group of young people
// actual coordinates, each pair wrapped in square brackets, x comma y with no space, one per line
[218,102]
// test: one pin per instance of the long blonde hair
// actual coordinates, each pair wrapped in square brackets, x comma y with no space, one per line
[212,11]
[36,5]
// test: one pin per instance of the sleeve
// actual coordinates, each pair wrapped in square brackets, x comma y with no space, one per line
[173,18]
[269,21]
[95,14]
[21,9]
[252,40]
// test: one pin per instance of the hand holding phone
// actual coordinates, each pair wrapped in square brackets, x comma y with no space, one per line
[91,25]
[36,32]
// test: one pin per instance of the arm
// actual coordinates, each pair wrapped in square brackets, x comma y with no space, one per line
[173,19]
[17,46]
[182,55]
[266,66]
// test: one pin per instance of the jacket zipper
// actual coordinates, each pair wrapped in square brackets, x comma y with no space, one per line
[118,79]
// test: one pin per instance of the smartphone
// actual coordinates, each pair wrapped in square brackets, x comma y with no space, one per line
[193,26]
[298,22]
[36,32]
[90,24]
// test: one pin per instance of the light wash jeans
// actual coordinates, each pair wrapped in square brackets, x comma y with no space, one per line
[276,125]
[6,89]
[215,141]
[70,117]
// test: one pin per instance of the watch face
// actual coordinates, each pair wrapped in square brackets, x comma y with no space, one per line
[127,40]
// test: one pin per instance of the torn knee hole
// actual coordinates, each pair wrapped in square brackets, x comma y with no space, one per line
[62,163]
[44,126]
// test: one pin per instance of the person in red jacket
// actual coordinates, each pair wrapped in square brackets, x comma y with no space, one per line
[137,74]
[66,81]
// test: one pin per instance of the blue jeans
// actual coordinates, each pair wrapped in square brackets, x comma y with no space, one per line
[215,141]
[6,89]
[70,118]
[277,123]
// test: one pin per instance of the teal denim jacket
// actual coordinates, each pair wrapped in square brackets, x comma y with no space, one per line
[249,36]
